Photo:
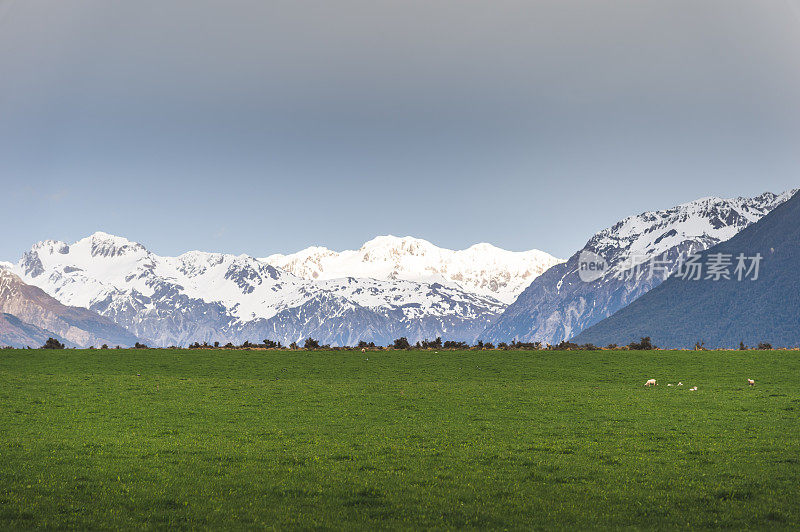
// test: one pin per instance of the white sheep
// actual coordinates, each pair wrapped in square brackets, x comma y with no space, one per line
[651,382]
[751,382]
[680,384]
[669,384]
[363,350]
[694,389]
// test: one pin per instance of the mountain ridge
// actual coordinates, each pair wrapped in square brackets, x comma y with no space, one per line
[16,333]
[720,312]
[637,254]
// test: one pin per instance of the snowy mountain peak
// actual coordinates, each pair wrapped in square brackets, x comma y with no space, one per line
[200,257]
[56,246]
[392,241]
[484,247]
[103,236]
[482,268]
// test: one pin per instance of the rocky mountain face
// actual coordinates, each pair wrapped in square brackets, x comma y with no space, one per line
[620,264]
[718,304]
[481,269]
[216,297]
[16,333]
[30,316]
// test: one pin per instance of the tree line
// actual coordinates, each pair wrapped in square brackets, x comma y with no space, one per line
[402,343]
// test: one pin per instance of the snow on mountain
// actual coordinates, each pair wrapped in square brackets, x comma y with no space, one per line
[709,220]
[202,296]
[482,269]
[28,316]
[639,251]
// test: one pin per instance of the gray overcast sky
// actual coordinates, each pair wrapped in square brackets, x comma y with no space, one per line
[261,126]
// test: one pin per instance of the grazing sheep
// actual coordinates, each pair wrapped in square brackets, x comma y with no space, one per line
[693,389]
[651,382]
[669,384]
[751,382]
[680,384]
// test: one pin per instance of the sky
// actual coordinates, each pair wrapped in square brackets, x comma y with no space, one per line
[262,127]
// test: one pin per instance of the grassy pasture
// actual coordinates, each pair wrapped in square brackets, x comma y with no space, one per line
[477,439]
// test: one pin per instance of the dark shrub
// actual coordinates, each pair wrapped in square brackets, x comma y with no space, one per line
[52,343]
[402,343]
[455,345]
[643,345]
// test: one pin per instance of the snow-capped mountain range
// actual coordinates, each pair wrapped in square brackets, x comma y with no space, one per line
[388,288]
[418,290]
[640,252]
[481,269]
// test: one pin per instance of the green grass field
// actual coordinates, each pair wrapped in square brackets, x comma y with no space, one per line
[475,439]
